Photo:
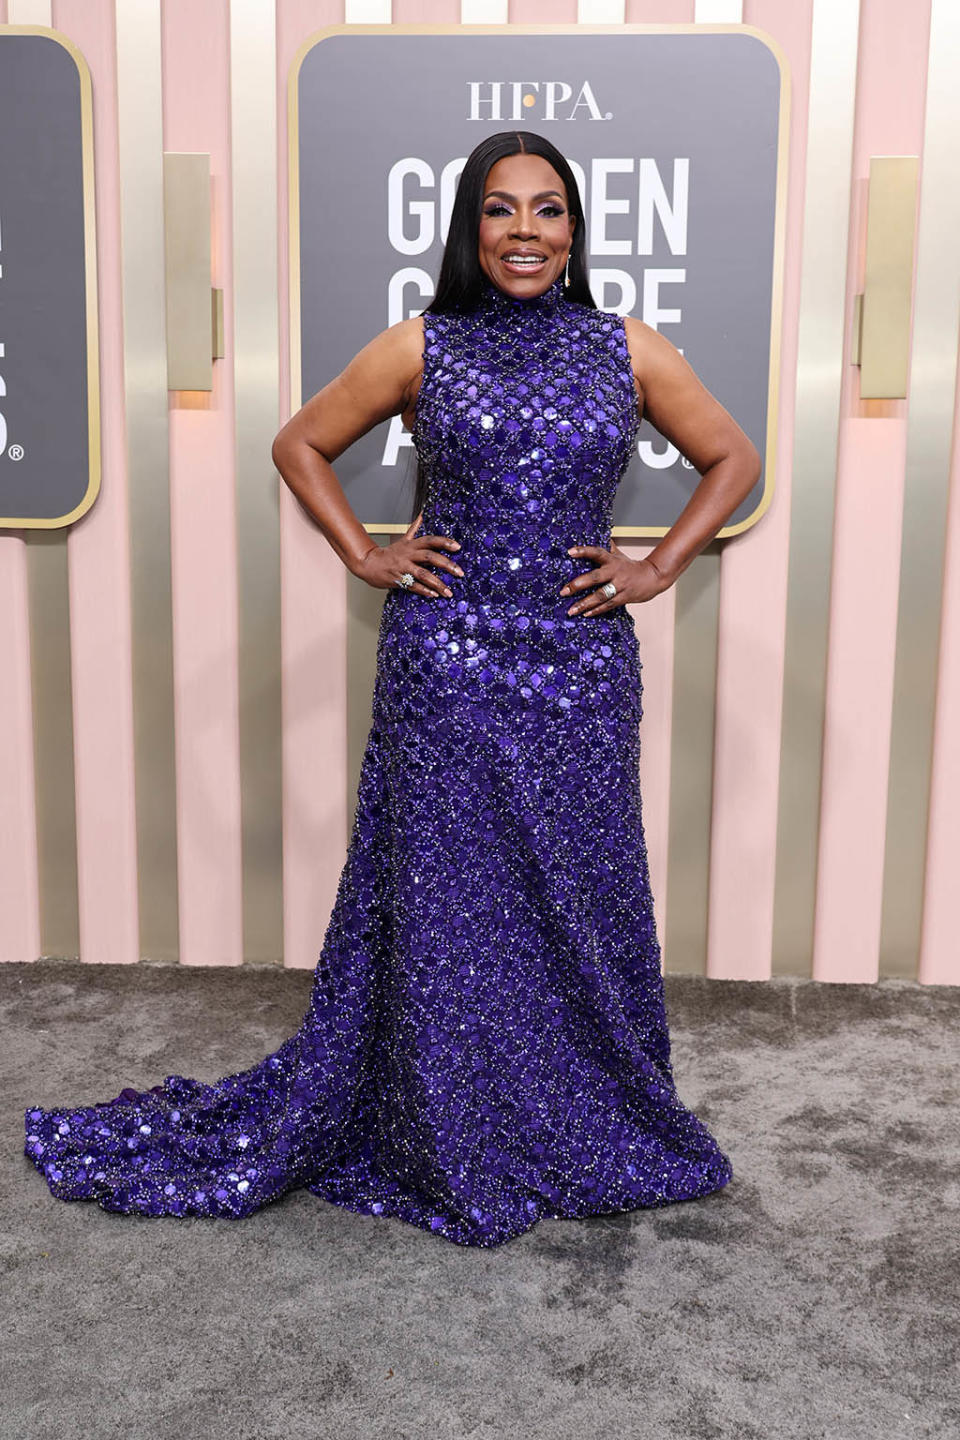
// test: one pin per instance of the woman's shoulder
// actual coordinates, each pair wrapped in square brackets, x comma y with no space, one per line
[647,347]
[407,339]
[406,332]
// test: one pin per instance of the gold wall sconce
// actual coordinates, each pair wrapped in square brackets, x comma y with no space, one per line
[194,309]
[881,315]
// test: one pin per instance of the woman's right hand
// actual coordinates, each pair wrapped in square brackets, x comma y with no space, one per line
[383,565]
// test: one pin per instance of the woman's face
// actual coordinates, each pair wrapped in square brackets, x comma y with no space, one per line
[524,212]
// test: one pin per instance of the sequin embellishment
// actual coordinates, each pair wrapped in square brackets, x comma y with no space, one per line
[486,1043]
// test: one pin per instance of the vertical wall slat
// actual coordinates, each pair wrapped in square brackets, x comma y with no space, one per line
[483,12]
[53,742]
[600,12]
[367,12]
[254,108]
[19,875]
[833,70]
[866,553]
[930,433]
[99,570]
[196,105]
[316,798]
[693,700]
[753,570]
[655,622]
[140,138]
[939,950]
[542,12]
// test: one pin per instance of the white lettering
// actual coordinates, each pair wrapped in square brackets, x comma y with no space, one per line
[486,100]
[652,199]
[602,281]
[651,310]
[396,297]
[556,92]
[399,207]
[519,88]
[586,97]
[397,438]
[478,98]
[601,205]
[449,179]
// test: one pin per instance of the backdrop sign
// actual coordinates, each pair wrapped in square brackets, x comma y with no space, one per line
[677,137]
[49,388]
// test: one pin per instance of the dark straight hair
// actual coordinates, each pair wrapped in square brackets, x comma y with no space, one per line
[461,280]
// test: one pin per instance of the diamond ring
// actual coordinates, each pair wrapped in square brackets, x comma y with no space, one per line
[609,589]
[406,579]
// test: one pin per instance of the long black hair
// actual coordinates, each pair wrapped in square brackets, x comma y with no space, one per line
[461,279]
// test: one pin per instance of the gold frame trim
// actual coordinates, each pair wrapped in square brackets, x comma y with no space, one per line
[94,469]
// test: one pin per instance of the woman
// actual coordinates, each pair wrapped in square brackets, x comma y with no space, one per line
[486,1042]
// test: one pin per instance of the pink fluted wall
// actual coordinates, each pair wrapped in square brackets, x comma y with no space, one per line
[314,638]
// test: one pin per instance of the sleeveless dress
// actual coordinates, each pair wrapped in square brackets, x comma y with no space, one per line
[486,1042]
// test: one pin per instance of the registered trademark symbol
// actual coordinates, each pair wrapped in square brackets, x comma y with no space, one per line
[685,462]
[15,452]
[609,115]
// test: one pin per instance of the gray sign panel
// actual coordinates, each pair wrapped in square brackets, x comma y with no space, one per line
[677,139]
[49,390]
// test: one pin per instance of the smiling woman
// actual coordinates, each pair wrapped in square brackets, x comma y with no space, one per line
[503,250]
[486,1043]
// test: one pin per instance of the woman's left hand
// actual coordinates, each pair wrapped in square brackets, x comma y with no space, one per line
[636,580]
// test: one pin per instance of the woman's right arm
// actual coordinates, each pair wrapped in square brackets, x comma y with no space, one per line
[377,383]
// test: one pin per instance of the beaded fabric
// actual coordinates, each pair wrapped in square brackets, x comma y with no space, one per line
[486,1042]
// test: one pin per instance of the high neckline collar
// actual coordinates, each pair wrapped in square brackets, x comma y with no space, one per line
[493,298]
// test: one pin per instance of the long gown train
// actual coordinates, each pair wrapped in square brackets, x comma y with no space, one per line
[486,1042]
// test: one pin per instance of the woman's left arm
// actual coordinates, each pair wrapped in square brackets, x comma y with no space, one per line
[681,407]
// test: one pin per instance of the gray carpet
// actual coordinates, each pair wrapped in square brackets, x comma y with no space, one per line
[815,1296]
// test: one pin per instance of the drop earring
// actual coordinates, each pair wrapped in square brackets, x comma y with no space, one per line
[566,273]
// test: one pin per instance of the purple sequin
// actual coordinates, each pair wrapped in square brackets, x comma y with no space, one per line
[486,1043]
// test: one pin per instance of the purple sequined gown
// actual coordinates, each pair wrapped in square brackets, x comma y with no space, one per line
[486,1042]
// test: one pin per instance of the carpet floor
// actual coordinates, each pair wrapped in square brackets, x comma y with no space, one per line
[815,1297]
